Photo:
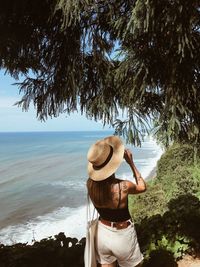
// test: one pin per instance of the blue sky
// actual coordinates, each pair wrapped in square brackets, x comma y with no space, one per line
[12,119]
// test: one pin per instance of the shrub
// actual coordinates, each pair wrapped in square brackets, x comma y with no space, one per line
[168,213]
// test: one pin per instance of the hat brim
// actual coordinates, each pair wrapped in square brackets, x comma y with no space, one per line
[113,164]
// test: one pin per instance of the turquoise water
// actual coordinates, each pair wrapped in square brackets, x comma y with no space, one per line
[42,181]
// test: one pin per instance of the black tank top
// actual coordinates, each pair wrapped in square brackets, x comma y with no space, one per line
[115,215]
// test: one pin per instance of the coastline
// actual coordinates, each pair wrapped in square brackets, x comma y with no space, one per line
[152,174]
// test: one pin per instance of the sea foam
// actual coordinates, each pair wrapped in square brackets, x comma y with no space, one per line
[72,222]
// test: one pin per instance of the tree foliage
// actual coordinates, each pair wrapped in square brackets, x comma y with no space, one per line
[141,57]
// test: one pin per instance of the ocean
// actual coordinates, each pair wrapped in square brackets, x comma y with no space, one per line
[43,182]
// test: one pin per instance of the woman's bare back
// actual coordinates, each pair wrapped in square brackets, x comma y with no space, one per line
[119,195]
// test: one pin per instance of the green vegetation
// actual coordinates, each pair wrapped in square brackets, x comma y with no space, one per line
[167,215]
[61,251]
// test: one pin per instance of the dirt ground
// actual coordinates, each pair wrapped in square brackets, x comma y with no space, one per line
[189,261]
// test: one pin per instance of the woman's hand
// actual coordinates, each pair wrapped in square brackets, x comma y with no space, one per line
[128,156]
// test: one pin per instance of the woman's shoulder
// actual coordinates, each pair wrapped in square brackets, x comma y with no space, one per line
[123,184]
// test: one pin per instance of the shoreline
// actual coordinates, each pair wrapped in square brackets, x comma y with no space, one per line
[152,174]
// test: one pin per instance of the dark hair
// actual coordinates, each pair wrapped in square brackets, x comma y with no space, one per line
[100,191]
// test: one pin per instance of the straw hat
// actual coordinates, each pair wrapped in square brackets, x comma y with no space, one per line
[105,156]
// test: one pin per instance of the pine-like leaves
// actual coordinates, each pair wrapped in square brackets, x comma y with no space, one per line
[141,57]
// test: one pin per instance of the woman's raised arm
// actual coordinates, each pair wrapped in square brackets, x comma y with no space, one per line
[140,185]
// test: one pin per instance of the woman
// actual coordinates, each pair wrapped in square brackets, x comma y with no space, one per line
[116,239]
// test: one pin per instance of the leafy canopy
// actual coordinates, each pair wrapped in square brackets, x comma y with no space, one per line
[141,57]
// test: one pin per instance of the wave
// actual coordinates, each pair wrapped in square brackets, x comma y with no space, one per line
[70,221]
